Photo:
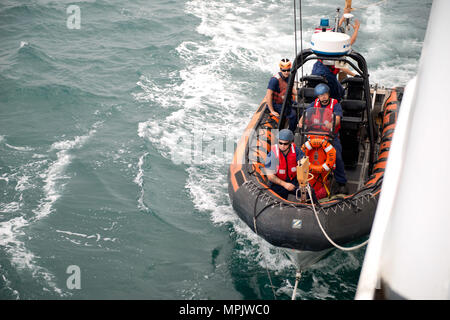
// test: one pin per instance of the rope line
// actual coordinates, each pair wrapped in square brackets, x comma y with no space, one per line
[326,235]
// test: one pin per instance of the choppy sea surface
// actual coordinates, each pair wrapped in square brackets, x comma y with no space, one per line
[101,105]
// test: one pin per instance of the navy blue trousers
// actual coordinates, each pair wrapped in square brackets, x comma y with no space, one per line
[291,115]
[282,191]
[339,172]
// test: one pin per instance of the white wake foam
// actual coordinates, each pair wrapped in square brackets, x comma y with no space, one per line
[84,239]
[139,180]
[19,148]
[12,231]
[55,175]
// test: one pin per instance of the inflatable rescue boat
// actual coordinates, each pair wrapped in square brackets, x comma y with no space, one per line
[309,229]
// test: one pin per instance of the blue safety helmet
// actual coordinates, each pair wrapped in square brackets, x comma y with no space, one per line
[286,135]
[321,88]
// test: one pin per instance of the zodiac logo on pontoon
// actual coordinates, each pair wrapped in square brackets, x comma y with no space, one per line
[297,223]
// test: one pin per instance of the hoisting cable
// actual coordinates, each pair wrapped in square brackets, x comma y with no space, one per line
[298,275]
[326,235]
[256,232]
[301,34]
[265,265]
[295,34]
[301,53]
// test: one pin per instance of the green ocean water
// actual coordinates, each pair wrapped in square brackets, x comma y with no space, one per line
[99,166]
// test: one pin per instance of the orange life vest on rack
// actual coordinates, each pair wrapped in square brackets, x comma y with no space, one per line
[287,166]
[330,106]
[278,97]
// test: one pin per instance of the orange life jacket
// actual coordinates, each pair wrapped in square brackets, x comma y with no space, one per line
[278,97]
[287,165]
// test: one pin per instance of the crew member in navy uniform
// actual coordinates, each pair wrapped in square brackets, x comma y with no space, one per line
[276,91]
[281,164]
[330,73]
[323,100]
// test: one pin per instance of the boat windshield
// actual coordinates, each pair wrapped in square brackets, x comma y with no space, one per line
[318,121]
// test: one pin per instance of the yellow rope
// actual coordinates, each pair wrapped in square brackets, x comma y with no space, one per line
[325,184]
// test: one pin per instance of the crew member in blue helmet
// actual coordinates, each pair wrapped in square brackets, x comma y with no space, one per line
[323,100]
[281,164]
[276,91]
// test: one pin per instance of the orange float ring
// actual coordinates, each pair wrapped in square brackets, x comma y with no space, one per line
[326,154]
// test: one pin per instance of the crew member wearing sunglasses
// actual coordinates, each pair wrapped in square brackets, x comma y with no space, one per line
[281,164]
[276,91]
